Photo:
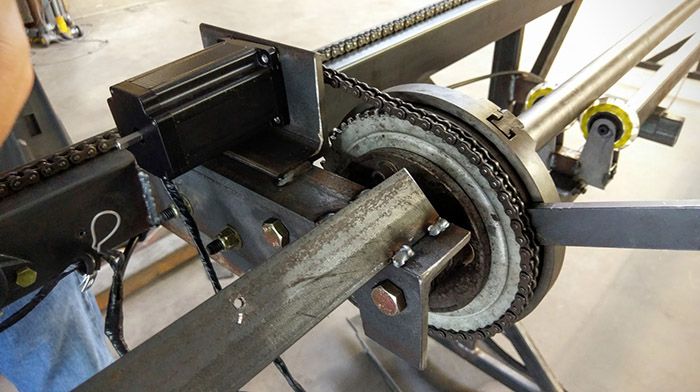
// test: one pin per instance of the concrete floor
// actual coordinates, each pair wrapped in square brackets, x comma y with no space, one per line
[615,320]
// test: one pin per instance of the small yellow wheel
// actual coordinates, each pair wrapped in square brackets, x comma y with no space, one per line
[616,111]
[538,92]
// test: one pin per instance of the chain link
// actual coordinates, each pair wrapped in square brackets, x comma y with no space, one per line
[20,178]
[30,174]
[489,167]
[378,33]
[513,204]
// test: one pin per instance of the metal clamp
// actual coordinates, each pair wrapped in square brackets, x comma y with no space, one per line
[394,304]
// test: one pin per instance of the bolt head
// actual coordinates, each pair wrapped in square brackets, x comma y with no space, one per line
[230,238]
[438,227]
[388,298]
[275,233]
[25,277]
[404,254]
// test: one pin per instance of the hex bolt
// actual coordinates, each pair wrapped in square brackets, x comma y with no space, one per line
[169,213]
[438,227]
[264,58]
[275,233]
[388,298]
[402,256]
[227,239]
[25,277]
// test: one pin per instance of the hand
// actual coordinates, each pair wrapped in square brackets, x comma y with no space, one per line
[16,74]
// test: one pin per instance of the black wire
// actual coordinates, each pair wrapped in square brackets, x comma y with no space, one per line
[192,228]
[282,367]
[495,75]
[114,315]
[43,292]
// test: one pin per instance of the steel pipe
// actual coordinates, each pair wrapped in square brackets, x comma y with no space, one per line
[648,98]
[554,112]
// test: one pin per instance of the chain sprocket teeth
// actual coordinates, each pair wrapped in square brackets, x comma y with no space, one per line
[489,168]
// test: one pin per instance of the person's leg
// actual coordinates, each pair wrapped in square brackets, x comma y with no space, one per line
[59,344]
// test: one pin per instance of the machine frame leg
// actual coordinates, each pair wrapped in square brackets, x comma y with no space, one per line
[529,374]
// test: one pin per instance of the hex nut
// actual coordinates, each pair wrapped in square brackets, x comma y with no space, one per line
[388,298]
[25,277]
[275,233]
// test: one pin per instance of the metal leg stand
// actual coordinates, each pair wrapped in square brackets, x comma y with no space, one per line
[530,374]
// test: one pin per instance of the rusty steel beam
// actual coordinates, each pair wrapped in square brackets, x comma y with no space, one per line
[231,337]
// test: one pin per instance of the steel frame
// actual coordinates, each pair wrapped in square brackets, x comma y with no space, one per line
[256,318]
[653,62]
[250,346]
[531,375]
[459,32]
[483,22]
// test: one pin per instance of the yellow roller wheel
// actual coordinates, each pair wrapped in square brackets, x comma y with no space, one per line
[617,111]
[61,25]
[538,92]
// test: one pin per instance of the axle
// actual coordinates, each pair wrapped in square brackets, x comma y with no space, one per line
[557,110]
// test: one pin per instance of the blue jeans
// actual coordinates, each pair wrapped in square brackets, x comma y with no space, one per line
[59,344]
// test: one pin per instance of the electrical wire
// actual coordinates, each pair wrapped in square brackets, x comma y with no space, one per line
[114,315]
[113,321]
[193,230]
[282,367]
[538,78]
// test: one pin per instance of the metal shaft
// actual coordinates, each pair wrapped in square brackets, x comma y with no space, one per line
[232,336]
[553,113]
[648,98]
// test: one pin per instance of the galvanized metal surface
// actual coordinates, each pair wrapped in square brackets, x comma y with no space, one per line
[670,225]
[554,112]
[406,333]
[258,317]
[518,150]
[496,295]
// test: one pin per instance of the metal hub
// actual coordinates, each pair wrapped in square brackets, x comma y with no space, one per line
[467,273]
[474,291]
[481,284]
